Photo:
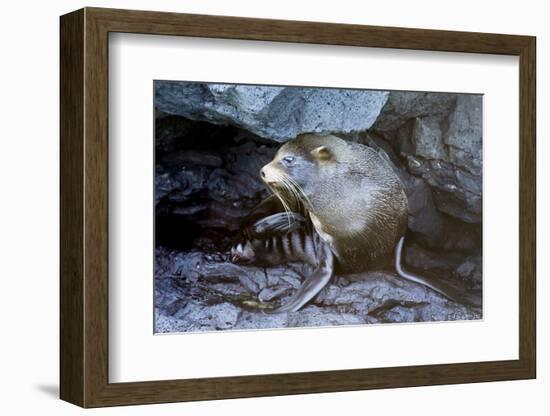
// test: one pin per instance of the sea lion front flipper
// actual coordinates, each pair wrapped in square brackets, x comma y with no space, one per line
[260,246]
[276,224]
[264,208]
[313,284]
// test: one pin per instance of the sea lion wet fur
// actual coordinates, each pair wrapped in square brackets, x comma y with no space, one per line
[351,198]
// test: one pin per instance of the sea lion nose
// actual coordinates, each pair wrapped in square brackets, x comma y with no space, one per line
[262,173]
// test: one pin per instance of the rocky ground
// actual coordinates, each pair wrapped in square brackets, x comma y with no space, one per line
[211,141]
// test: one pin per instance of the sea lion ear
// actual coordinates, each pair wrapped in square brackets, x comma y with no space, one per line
[322,153]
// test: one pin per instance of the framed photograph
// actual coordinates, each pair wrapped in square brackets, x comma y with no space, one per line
[255,207]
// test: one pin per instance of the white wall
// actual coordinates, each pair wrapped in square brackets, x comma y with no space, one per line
[29,208]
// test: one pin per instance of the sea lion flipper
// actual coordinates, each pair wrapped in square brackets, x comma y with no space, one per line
[444,290]
[264,208]
[254,249]
[276,224]
[312,285]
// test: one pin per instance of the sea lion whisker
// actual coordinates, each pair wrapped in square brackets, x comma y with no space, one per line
[278,193]
[303,198]
[300,200]
[292,193]
[289,194]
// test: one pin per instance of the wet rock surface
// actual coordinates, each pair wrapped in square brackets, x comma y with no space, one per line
[206,181]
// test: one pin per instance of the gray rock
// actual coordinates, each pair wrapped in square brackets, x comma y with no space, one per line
[315,316]
[197,317]
[385,297]
[278,113]
[471,272]
[421,258]
[439,136]
[219,298]
[259,320]
[465,134]
[427,138]
[406,105]
[424,219]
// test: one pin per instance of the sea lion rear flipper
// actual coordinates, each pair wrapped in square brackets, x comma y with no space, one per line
[437,286]
[313,284]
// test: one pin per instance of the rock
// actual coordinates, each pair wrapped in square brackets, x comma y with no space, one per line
[471,272]
[389,298]
[423,259]
[197,317]
[314,316]
[402,106]
[277,113]
[438,136]
[212,294]
[465,133]
[427,138]
[259,320]
[424,219]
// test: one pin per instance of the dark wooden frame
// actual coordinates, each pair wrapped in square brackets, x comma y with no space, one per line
[84,213]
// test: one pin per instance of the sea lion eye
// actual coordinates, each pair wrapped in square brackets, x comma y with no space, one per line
[288,160]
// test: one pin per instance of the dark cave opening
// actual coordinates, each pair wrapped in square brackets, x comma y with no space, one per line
[206,181]
[170,228]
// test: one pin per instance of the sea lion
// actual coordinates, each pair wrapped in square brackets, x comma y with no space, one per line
[342,208]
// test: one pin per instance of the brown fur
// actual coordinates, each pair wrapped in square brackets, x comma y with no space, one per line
[355,201]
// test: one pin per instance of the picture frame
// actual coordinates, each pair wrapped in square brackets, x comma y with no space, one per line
[84,216]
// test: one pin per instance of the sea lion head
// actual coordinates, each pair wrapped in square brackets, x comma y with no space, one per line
[298,166]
